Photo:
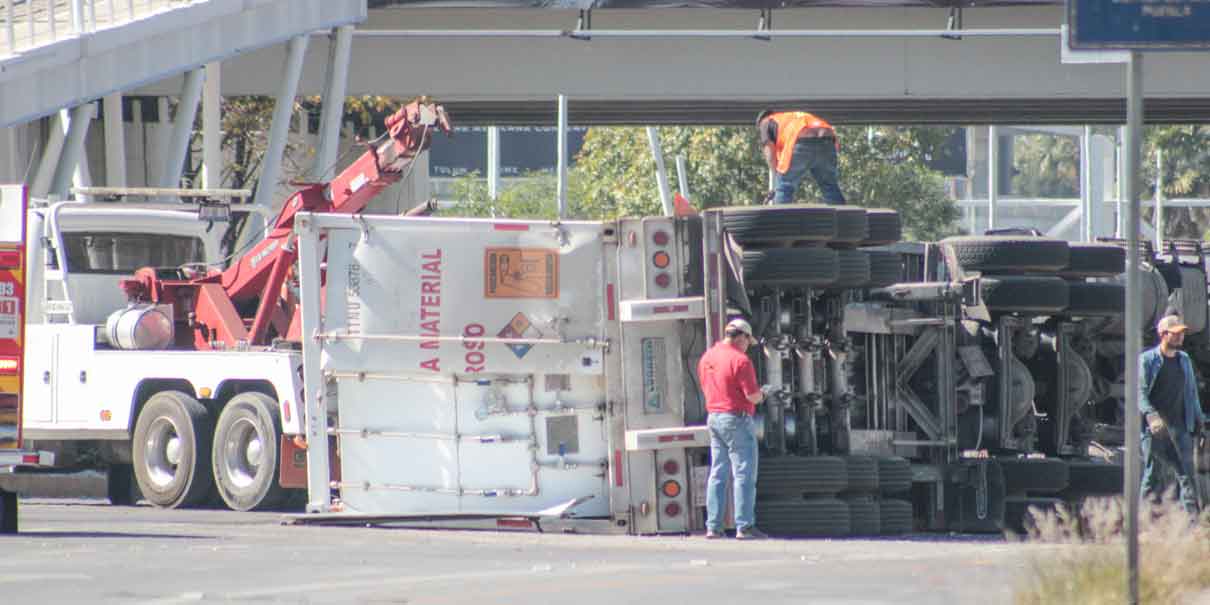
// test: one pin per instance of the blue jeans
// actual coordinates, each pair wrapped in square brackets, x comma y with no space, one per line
[1178,456]
[732,449]
[817,156]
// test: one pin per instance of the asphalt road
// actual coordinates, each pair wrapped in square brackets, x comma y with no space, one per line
[79,551]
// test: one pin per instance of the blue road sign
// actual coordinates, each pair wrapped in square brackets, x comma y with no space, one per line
[1139,24]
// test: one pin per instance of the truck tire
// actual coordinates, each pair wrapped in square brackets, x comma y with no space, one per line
[120,485]
[793,476]
[894,475]
[785,223]
[8,512]
[852,226]
[1031,294]
[865,515]
[1094,260]
[1155,298]
[884,226]
[816,517]
[1009,254]
[171,450]
[862,472]
[1095,299]
[246,460]
[895,517]
[1034,475]
[886,268]
[1191,299]
[852,269]
[790,267]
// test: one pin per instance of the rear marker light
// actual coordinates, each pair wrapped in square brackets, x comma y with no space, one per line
[663,280]
[672,509]
[513,523]
[671,488]
[661,259]
[660,238]
[671,467]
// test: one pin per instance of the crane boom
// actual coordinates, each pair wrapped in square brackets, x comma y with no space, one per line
[245,304]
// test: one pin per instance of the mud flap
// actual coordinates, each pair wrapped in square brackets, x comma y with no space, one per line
[292,472]
[975,499]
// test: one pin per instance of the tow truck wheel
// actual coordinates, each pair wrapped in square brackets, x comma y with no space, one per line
[171,449]
[245,452]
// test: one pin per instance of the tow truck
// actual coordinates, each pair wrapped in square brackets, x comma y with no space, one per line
[174,355]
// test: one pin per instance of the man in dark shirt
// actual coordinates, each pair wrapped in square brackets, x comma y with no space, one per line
[1168,398]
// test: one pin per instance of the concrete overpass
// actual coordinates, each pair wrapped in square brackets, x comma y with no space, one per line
[700,65]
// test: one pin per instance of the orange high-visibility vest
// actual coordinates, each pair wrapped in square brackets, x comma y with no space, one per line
[790,124]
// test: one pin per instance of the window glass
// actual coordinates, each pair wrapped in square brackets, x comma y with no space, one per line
[127,252]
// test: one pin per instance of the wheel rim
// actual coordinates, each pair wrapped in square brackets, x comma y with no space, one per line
[243,453]
[164,452]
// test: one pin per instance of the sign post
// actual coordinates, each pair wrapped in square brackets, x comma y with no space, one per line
[1135,26]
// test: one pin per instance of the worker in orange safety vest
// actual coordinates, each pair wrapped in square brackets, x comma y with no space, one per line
[795,143]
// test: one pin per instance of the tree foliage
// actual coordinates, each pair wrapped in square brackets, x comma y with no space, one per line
[1186,157]
[1046,166]
[615,175]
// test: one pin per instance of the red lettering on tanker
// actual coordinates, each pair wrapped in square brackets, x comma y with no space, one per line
[430,307]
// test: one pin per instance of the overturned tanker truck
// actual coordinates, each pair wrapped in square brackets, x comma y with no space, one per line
[520,370]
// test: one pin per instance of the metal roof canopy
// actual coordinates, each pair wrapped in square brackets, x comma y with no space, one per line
[83,67]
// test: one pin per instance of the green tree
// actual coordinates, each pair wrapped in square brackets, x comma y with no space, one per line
[1046,166]
[614,175]
[1186,157]
[535,197]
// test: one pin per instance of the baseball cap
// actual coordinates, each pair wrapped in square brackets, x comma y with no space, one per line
[1171,323]
[739,325]
[762,115]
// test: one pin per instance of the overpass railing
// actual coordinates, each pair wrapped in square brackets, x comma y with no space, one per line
[32,23]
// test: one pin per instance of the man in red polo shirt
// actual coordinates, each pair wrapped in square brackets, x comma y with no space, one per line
[731,391]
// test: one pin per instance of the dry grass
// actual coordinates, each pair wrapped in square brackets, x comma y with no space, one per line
[1088,564]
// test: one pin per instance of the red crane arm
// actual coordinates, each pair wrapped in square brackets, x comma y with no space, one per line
[216,306]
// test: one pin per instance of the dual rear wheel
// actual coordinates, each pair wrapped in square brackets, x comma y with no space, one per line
[181,457]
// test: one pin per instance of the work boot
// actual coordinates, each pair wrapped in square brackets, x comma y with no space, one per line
[750,533]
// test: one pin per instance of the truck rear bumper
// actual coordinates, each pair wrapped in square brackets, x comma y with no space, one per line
[11,459]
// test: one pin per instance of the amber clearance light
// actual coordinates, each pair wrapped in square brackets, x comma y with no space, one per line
[671,488]
[661,259]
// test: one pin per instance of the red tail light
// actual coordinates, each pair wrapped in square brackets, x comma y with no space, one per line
[660,238]
[672,509]
[10,259]
[671,467]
